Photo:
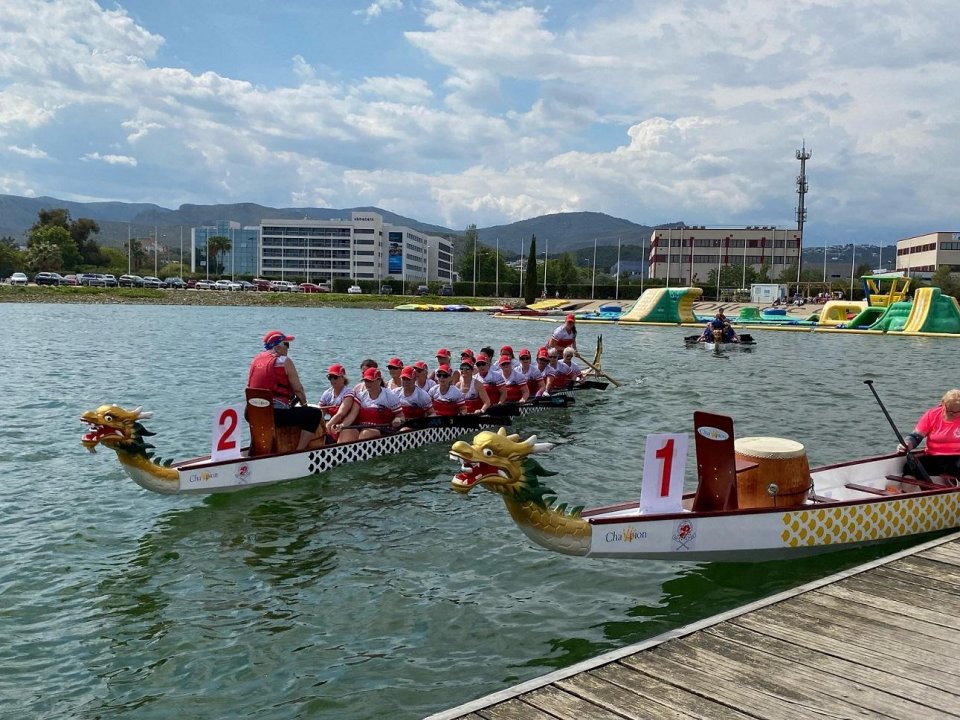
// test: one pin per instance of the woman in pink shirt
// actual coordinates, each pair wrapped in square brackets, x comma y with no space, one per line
[940,426]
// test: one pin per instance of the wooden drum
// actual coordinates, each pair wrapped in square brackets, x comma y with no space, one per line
[782,475]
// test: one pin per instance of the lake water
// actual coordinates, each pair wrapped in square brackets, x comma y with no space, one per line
[373,590]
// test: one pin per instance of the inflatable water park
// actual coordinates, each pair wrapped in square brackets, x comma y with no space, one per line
[887,309]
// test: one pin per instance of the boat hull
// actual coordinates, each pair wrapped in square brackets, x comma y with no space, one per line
[202,476]
[845,518]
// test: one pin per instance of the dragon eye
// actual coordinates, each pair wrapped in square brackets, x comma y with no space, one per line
[108,418]
[488,452]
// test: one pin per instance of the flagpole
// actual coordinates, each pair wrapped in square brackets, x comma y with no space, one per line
[155,248]
[546,258]
[521,267]
[129,271]
[643,273]
[181,252]
[593,280]
[669,243]
[497,285]
[617,293]
[474,263]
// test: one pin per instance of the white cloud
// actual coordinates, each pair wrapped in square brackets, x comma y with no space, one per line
[376,9]
[111,159]
[32,152]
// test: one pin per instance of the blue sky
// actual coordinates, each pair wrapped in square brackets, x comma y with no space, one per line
[456,112]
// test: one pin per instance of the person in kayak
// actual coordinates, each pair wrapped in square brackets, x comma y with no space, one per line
[272,370]
[940,426]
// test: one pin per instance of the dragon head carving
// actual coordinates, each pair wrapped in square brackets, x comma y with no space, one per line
[502,464]
[116,428]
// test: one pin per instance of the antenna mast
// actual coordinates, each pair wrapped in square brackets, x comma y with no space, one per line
[802,155]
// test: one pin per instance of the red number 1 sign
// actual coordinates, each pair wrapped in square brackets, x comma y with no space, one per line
[664,463]
[226,432]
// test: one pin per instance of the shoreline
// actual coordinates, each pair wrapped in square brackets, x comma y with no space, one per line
[213,298]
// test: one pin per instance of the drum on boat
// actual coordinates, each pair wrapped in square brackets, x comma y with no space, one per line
[781,477]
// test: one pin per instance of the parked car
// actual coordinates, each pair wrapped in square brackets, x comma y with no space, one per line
[312,288]
[70,280]
[262,284]
[446,291]
[423,290]
[175,283]
[130,281]
[153,282]
[227,285]
[204,285]
[109,280]
[386,289]
[93,280]
[282,286]
[48,278]
[325,287]
[246,285]
[18,279]
[355,290]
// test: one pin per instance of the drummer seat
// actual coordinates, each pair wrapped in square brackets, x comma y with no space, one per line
[265,437]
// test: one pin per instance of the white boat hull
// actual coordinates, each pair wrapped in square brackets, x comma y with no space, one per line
[201,476]
[844,518]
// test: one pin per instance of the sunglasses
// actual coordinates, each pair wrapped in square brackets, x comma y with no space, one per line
[285,344]
[466,368]
[481,364]
[443,375]
[524,357]
[333,377]
[394,367]
[421,369]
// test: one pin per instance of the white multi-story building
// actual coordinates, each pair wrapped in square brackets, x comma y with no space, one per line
[924,254]
[361,248]
[687,255]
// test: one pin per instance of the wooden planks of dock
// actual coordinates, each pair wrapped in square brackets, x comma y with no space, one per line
[880,640]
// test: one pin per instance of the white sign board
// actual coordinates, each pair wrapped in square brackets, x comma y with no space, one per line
[664,465]
[226,432]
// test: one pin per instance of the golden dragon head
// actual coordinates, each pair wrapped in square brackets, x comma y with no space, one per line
[116,428]
[500,463]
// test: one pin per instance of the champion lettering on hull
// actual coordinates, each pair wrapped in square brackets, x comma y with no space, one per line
[756,500]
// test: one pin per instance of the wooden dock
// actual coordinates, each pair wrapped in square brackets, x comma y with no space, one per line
[879,640]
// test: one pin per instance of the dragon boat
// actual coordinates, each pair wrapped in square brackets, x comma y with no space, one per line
[121,430]
[756,500]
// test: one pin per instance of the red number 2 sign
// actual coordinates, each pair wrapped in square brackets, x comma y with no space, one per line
[226,432]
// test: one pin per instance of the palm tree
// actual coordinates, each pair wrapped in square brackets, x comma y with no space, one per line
[216,246]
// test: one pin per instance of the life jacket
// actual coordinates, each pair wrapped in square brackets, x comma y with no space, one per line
[410,412]
[447,408]
[267,374]
[473,404]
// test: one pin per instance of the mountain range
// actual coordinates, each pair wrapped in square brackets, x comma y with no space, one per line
[563,231]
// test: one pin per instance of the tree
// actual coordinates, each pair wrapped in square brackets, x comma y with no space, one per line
[11,258]
[565,274]
[69,256]
[530,282]
[943,279]
[469,262]
[87,249]
[44,255]
[137,255]
[217,246]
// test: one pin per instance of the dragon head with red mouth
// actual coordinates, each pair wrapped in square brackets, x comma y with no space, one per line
[494,460]
[116,428]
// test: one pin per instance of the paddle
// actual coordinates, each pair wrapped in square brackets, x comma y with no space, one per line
[513,407]
[437,421]
[913,463]
[597,370]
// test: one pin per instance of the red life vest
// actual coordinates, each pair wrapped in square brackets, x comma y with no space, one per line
[533,385]
[375,416]
[266,374]
[410,412]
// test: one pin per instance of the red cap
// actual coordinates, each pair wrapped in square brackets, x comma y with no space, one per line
[467,352]
[371,374]
[468,361]
[420,365]
[571,318]
[524,351]
[443,352]
[505,360]
[395,362]
[445,369]
[542,353]
[506,349]
[274,337]
[337,369]
[482,357]
[408,372]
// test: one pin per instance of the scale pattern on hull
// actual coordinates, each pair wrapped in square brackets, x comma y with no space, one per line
[333,455]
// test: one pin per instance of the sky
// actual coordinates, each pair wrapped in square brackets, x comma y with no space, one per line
[455,112]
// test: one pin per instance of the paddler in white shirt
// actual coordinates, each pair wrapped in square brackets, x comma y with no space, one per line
[515,383]
[378,406]
[565,335]
[491,378]
[414,400]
